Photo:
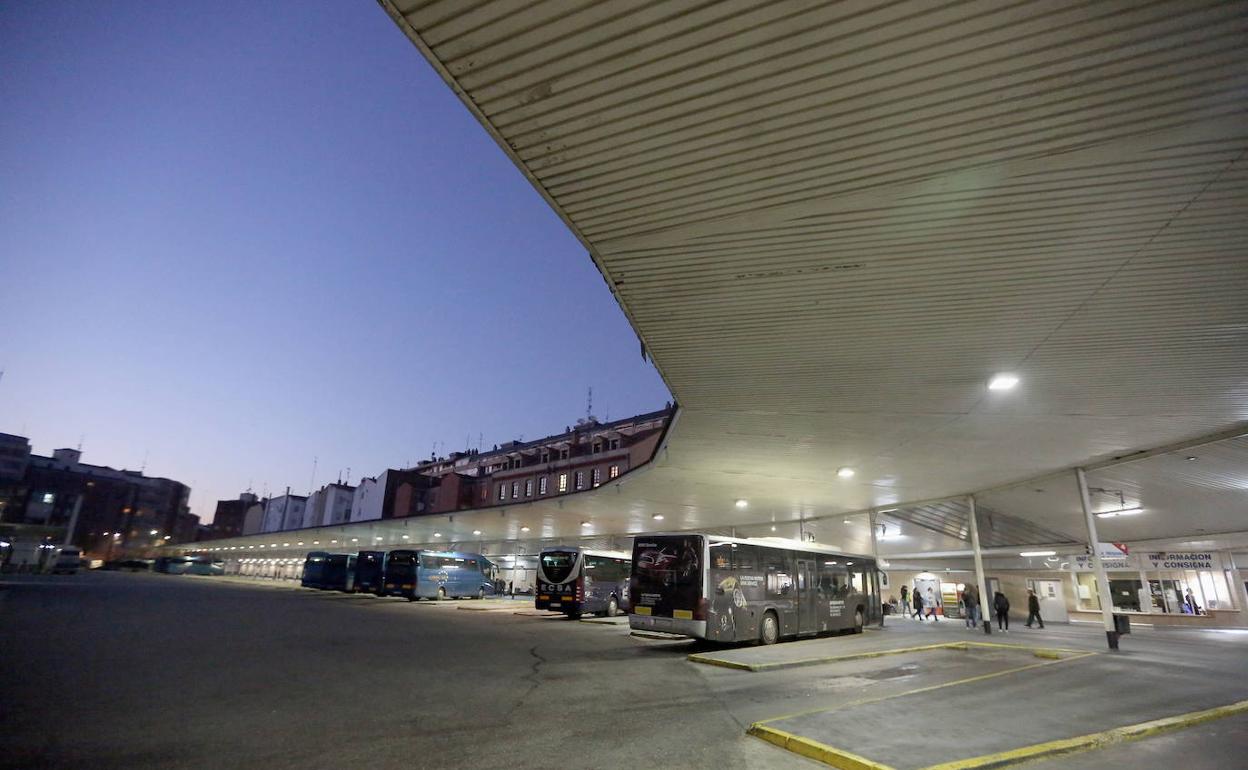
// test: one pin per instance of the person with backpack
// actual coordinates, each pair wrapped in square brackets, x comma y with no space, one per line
[918,605]
[930,602]
[1002,607]
[1033,609]
[905,599]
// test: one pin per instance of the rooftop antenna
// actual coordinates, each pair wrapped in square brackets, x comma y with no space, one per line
[480,439]
[312,486]
[589,405]
[81,438]
[143,468]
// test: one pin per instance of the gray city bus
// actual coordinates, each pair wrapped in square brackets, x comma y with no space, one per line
[575,581]
[730,590]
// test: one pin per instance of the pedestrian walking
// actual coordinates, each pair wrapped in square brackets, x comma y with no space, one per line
[905,599]
[1033,609]
[1002,607]
[1190,599]
[930,602]
[970,602]
[918,605]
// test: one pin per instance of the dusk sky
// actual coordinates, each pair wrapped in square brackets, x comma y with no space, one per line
[236,236]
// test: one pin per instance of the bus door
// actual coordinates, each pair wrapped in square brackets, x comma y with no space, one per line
[807,598]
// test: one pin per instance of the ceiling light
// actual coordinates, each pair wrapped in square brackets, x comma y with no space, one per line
[845,472]
[299,543]
[773,527]
[1122,512]
[476,532]
[405,537]
[355,540]
[333,541]
[741,503]
[524,529]
[437,534]
[1002,382]
[1189,458]
[657,517]
[1037,553]
[585,524]
[285,545]
[316,542]
[847,521]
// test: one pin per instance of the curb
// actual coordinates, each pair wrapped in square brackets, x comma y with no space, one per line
[844,760]
[1051,653]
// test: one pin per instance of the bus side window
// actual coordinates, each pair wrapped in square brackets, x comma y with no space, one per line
[779,574]
[744,557]
[721,556]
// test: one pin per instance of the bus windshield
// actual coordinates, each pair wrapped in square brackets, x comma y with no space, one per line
[557,565]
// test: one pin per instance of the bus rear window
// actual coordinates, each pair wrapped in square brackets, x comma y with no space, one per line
[667,573]
[556,566]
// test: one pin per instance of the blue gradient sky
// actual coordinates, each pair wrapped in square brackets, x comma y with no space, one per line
[237,236]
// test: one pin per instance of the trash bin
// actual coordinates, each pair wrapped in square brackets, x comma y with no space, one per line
[1122,624]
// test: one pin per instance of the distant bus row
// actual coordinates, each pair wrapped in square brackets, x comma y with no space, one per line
[699,585]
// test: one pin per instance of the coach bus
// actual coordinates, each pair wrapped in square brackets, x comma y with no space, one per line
[576,580]
[370,571]
[314,570]
[727,589]
[339,572]
[437,575]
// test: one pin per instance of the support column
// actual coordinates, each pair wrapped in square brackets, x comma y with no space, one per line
[875,555]
[979,564]
[1098,567]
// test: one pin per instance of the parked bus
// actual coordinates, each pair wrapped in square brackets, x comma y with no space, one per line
[67,561]
[339,572]
[437,575]
[370,571]
[731,590]
[172,565]
[314,570]
[576,580]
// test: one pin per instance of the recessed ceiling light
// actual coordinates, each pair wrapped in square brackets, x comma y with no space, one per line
[847,521]
[406,537]
[657,517]
[299,543]
[773,527]
[476,532]
[524,529]
[437,534]
[1037,553]
[845,472]
[1189,458]
[741,503]
[316,542]
[355,540]
[584,523]
[1002,381]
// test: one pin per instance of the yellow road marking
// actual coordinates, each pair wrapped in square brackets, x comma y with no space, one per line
[815,750]
[929,688]
[1094,740]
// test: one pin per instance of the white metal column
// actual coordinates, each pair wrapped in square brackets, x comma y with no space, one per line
[979,563]
[875,555]
[1098,567]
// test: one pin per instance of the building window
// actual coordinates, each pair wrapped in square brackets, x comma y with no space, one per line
[541,485]
[595,476]
[515,489]
[614,443]
[613,471]
[528,487]
[545,456]
[580,479]
[597,447]
[563,454]
[563,482]
[502,491]
[48,498]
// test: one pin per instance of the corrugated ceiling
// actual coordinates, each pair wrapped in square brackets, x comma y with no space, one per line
[831,223]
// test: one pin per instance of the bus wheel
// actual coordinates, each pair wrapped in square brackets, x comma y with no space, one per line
[441,594]
[613,607]
[857,621]
[770,631]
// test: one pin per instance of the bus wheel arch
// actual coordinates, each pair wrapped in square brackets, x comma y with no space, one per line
[859,618]
[441,593]
[613,606]
[481,592]
[769,628]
